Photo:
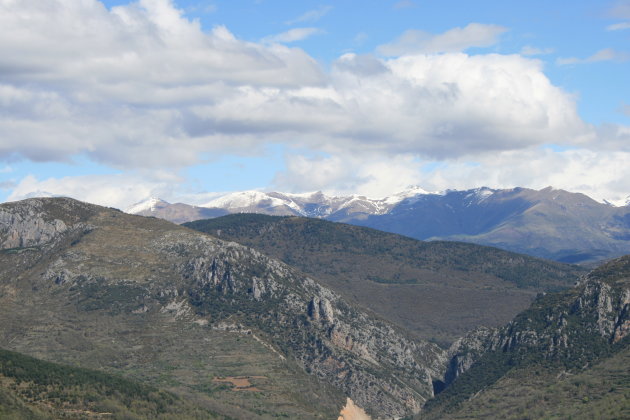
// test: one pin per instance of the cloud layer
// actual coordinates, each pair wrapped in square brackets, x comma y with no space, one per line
[142,87]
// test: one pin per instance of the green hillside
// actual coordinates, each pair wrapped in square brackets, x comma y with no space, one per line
[567,356]
[225,326]
[36,389]
[437,290]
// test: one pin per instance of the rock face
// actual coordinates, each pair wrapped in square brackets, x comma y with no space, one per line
[103,265]
[28,225]
[570,329]
[379,368]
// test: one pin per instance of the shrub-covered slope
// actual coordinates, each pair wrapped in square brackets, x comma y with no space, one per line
[243,334]
[36,389]
[571,347]
[437,290]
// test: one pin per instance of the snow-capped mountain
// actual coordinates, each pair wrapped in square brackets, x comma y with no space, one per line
[151,204]
[177,213]
[314,204]
[549,223]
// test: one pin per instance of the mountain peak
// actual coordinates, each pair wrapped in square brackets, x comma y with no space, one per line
[149,204]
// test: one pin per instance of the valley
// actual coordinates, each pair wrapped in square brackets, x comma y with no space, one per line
[259,317]
[436,290]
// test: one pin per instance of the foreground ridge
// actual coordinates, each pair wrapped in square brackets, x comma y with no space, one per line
[95,287]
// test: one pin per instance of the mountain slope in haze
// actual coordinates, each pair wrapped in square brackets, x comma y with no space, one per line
[176,213]
[436,290]
[241,334]
[569,349]
[549,223]
[35,389]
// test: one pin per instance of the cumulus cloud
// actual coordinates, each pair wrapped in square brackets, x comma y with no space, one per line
[141,86]
[119,190]
[292,35]
[415,41]
[371,175]
[600,174]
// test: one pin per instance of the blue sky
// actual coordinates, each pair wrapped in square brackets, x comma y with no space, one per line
[114,101]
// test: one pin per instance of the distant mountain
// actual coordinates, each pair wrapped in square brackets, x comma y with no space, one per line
[437,290]
[176,213]
[239,333]
[567,356]
[314,204]
[549,223]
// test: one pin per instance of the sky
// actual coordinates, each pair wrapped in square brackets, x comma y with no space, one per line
[114,101]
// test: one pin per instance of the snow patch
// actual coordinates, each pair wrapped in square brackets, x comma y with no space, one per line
[150,204]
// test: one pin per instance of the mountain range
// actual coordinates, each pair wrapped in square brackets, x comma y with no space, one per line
[437,290]
[216,329]
[97,288]
[548,223]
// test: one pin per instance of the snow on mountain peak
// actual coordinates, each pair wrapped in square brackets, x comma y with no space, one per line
[253,198]
[410,192]
[149,204]
[238,199]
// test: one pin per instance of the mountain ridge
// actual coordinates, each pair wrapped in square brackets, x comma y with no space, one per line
[548,223]
[436,289]
[95,287]
[561,335]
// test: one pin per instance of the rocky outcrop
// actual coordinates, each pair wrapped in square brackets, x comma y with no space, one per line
[35,222]
[465,351]
[571,328]
[374,364]
[25,230]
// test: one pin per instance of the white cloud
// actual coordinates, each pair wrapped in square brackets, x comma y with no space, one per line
[143,87]
[606,54]
[292,35]
[118,85]
[618,26]
[372,175]
[140,86]
[454,40]
[311,16]
[600,174]
[118,191]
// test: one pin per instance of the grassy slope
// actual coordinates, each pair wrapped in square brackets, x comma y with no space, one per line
[95,330]
[599,392]
[588,377]
[436,290]
[36,389]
